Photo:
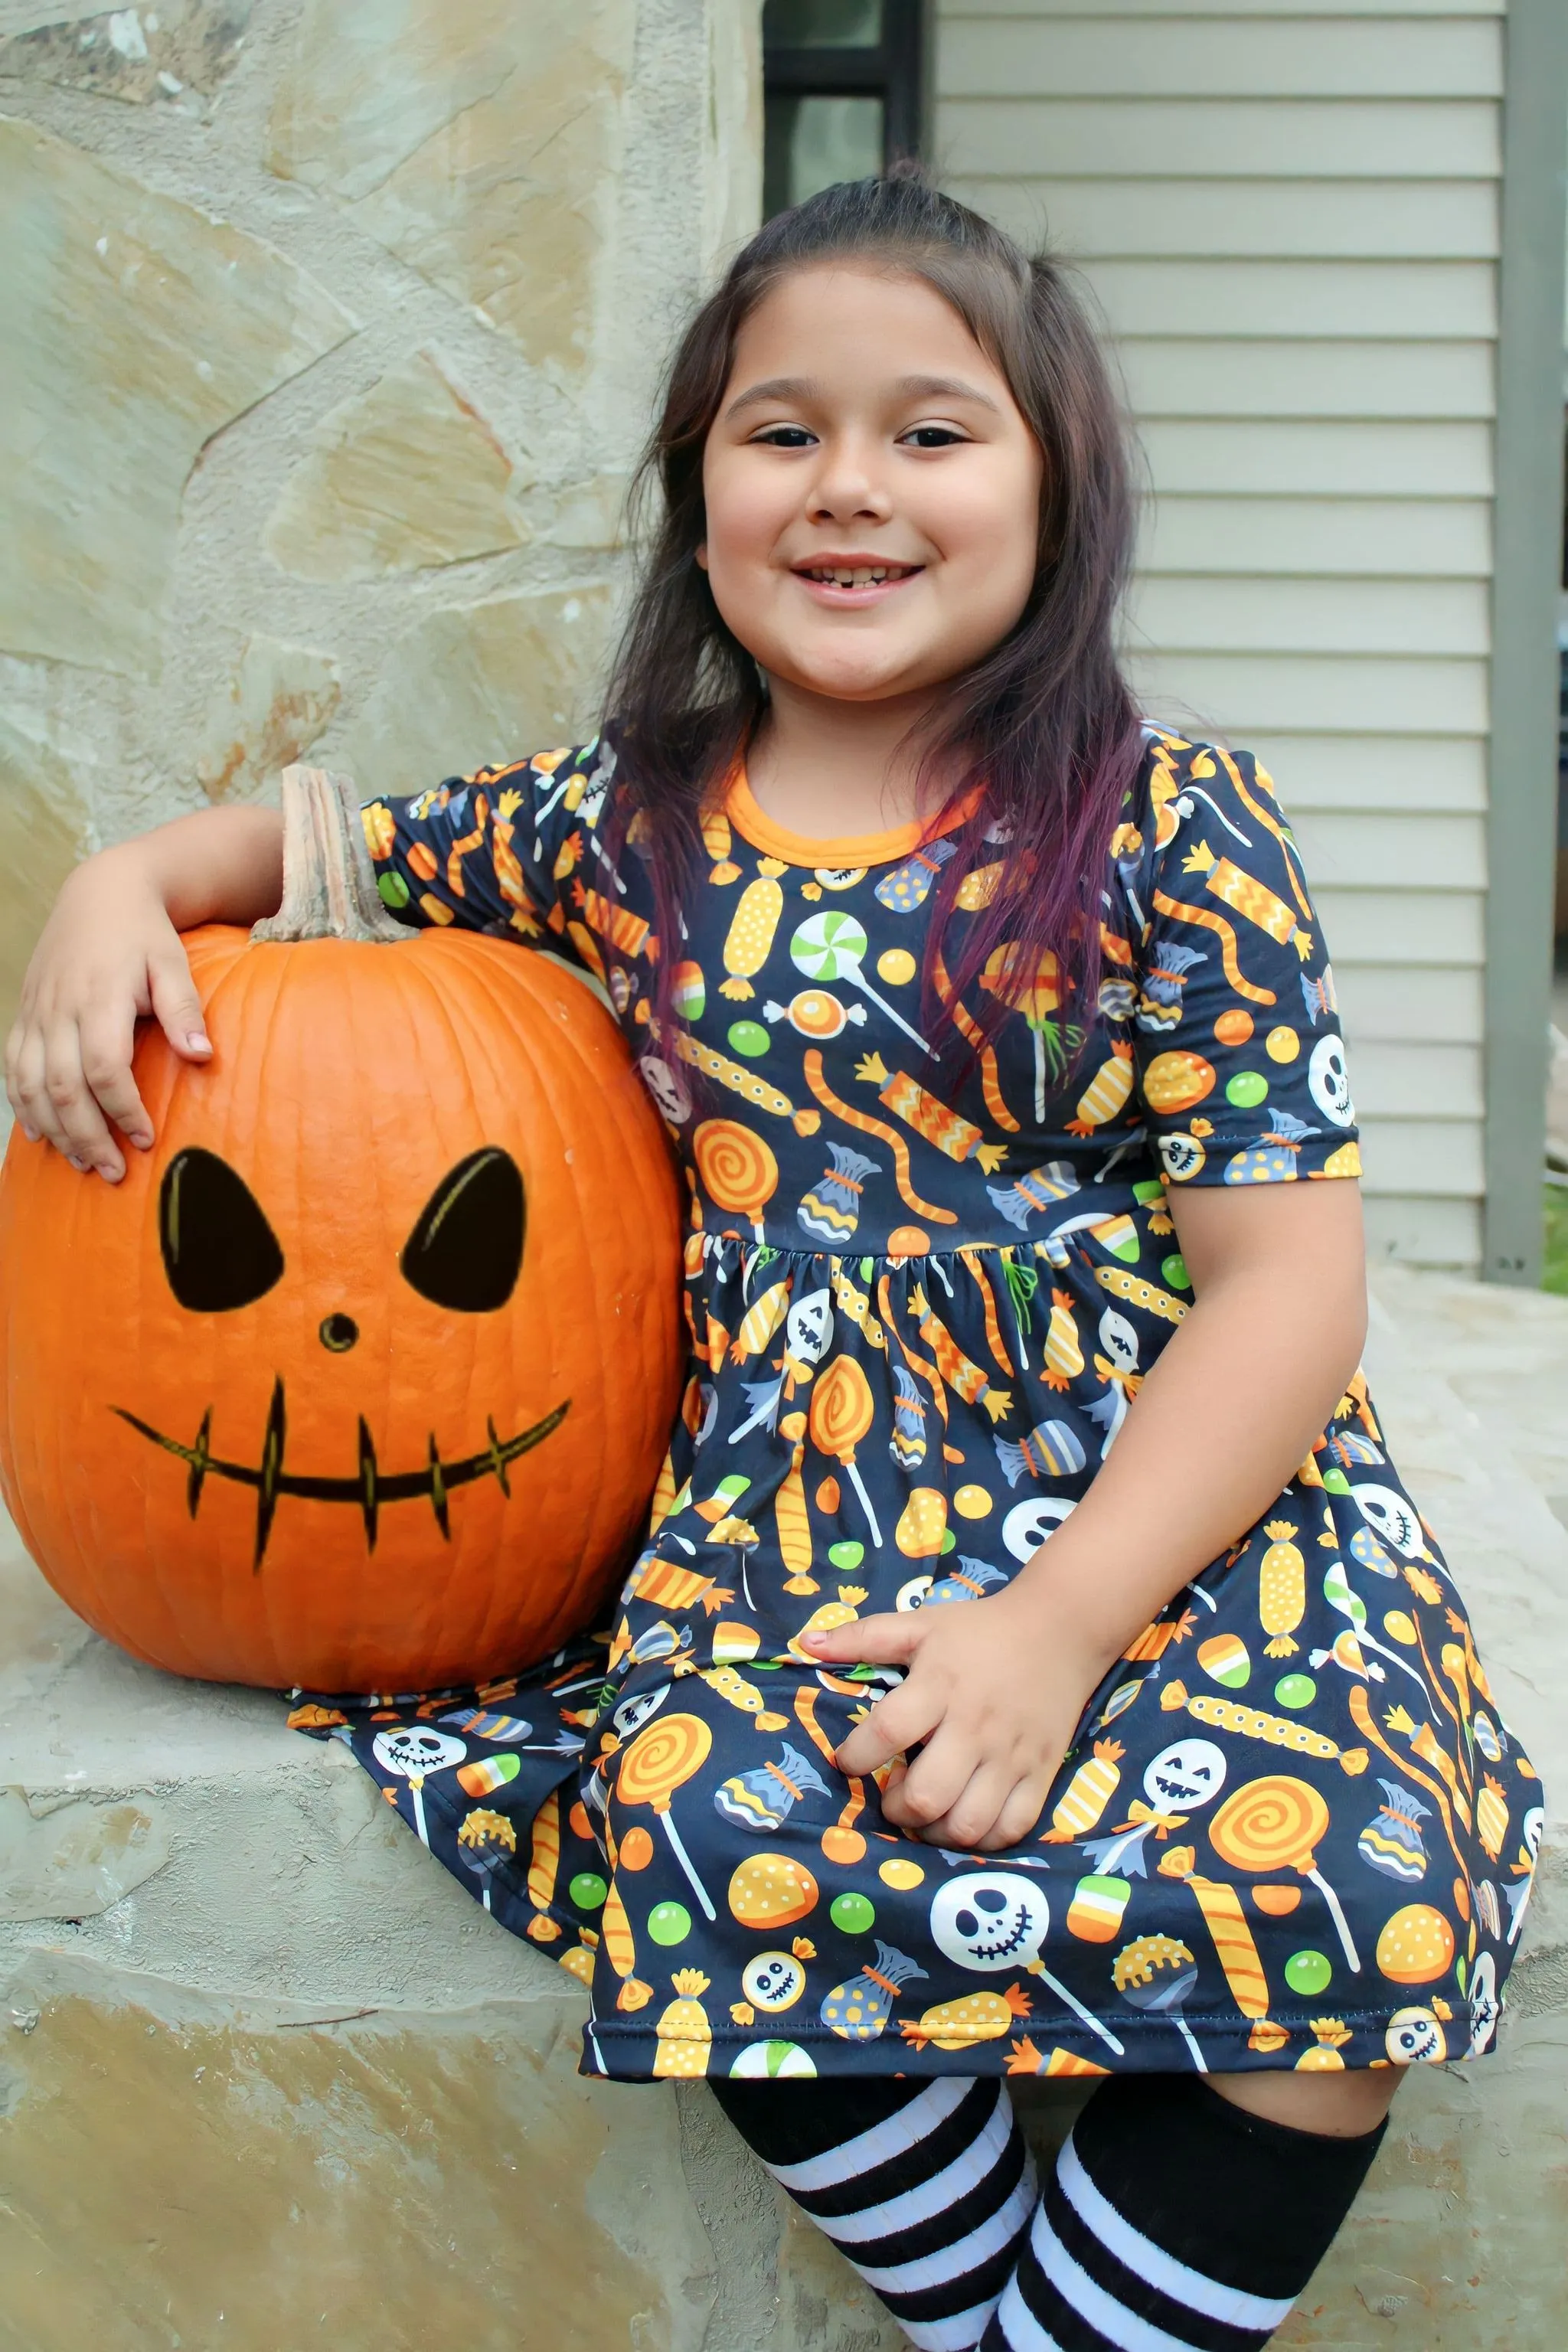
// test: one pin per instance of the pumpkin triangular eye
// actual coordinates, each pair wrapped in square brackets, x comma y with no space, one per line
[466,1250]
[219,1250]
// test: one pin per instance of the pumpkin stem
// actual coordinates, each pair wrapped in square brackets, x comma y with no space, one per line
[328,886]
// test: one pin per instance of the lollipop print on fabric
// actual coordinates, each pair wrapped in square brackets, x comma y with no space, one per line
[1277,1824]
[1157,1973]
[832,946]
[737,1168]
[841,1415]
[1034,991]
[659,1761]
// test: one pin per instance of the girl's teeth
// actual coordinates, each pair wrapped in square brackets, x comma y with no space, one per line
[859,578]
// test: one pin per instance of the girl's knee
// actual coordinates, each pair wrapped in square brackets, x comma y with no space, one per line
[1338,2105]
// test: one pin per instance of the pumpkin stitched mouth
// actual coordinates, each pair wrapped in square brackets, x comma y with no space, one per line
[370,1489]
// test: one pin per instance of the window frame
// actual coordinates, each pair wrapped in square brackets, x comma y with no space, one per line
[894,71]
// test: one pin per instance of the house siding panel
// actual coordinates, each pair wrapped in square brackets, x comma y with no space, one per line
[1021,137]
[1289,215]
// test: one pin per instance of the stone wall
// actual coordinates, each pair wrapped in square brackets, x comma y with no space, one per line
[331,330]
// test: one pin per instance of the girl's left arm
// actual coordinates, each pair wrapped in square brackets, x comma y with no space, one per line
[1227,1414]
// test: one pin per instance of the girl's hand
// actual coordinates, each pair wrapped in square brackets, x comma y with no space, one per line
[109,954]
[994,1690]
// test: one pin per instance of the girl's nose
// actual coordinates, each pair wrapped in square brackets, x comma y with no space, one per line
[845,487]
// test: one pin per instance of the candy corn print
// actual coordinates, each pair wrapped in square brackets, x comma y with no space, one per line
[1294,1829]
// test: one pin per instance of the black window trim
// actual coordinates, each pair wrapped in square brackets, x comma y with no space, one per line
[893,71]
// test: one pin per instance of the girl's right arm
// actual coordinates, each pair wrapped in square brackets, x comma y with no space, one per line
[110,953]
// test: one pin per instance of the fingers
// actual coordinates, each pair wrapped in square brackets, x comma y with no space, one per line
[890,1640]
[25,1082]
[992,1812]
[77,1126]
[176,1003]
[893,1724]
[972,1823]
[15,1045]
[1019,1815]
[106,1041]
[953,1795]
[938,1783]
[49,1096]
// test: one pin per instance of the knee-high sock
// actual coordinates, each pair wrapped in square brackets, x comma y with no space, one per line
[926,2189]
[1176,2223]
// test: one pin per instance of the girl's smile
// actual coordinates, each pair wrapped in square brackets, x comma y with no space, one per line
[849,582]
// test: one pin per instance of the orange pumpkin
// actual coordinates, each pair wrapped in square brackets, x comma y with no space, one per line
[363,1377]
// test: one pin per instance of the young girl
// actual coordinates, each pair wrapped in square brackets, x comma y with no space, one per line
[1036,1667]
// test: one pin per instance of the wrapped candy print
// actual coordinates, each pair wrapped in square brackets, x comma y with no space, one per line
[908,1442]
[1054,1450]
[862,2006]
[1039,1193]
[1272,1162]
[763,1797]
[967,1581]
[1159,1003]
[831,1210]
[907,886]
[1392,1839]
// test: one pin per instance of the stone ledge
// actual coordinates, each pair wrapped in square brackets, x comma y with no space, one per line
[260,2058]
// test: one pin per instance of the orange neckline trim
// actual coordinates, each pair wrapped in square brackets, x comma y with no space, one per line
[751,821]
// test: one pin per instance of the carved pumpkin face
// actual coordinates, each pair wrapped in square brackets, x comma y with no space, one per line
[363,1377]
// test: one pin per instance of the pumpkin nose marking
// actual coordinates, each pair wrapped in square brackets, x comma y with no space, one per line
[339,1333]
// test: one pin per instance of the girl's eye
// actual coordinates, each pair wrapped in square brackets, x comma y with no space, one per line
[784,436]
[932,436]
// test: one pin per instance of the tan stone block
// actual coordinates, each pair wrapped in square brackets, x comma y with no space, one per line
[590,514]
[279,701]
[136,326]
[134,54]
[200,2172]
[825,2305]
[75,1860]
[482,149]
[472,685]
[43,833]
[405,475]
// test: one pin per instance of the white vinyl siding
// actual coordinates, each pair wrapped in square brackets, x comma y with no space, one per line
[1289,217]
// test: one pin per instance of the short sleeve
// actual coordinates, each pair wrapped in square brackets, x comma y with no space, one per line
[496,851]
[1237,1049]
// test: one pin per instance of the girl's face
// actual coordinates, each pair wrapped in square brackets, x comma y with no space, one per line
[872,489]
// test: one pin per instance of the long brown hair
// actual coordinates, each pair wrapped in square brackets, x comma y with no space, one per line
[1045,723]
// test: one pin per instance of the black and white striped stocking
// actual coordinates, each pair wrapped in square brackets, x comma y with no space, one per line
[1174,2221]
[927,2189]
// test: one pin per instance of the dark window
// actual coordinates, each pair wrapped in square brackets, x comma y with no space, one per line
[842,83]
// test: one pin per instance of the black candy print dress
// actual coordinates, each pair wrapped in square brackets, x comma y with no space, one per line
[1292,1830]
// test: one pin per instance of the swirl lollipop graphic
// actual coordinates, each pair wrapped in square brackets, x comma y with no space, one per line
[651,1769]
[738,1170]
[1277,1824]
[841,1412]
[832,946]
